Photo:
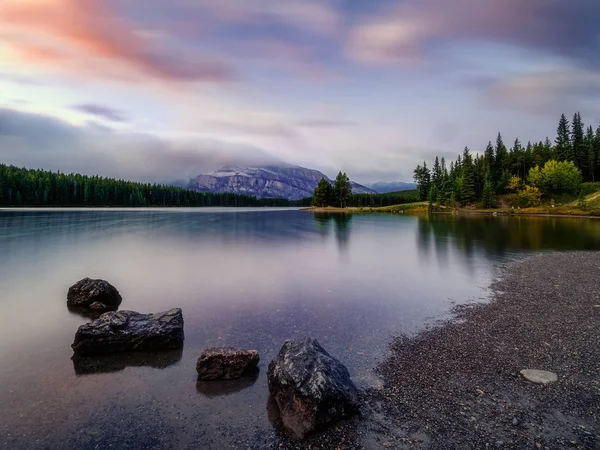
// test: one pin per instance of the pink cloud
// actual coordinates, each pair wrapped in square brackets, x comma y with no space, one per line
[405,32]
[93,29]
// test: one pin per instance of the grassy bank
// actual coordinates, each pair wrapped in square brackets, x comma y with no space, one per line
[588,206]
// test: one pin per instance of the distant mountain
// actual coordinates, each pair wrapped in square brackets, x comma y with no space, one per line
[273,181]
[383,188]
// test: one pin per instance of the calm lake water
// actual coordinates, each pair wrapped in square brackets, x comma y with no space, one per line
[245,278]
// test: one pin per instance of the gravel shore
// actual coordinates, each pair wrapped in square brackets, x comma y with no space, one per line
[457,385]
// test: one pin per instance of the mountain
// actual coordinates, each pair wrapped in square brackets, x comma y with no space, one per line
[383,188]
[273,181]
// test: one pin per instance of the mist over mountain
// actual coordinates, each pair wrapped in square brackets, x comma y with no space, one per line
[270,181]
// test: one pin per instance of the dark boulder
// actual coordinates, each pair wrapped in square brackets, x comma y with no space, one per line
[312,389]
[127,331]
[225,363]
[95,294]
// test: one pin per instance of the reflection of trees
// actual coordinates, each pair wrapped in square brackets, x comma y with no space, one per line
[341,225]
[497,236]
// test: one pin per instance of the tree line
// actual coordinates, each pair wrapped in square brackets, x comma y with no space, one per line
[524,173]
[34,187]
[340,195]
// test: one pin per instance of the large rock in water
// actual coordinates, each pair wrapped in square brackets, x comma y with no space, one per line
[225,363]
[127,331]
[311,388]
[94,294]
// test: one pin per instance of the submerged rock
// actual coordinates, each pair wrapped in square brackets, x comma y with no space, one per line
[126,331]
[312,389]
[225,363]
[538,376]
[95,294]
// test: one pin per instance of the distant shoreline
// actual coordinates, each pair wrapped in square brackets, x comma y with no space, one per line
[422,208]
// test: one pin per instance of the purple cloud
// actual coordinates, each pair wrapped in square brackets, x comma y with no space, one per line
[104,112]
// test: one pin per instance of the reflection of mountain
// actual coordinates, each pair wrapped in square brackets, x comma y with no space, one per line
[497,236]
[226,387]
[85,365]
[341,225]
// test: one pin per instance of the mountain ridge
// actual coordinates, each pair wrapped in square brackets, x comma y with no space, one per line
[269,181]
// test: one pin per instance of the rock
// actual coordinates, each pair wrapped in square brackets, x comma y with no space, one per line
[126,331]
[311,388]
[88,292]
[538,376]
[225,363]
[98,306]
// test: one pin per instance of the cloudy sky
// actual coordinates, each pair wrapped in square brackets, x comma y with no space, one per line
[163,90]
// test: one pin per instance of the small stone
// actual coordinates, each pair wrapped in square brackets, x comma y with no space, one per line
[515,422]
[538,376]
[499,443]
[538,445]
[225,363]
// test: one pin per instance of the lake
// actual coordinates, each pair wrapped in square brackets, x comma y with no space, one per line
[248,278]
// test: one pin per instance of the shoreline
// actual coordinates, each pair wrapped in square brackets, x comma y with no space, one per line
[421,208]
[457,385]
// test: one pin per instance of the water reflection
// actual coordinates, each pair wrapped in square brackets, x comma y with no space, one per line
[86,365]
[243,279]
[504,235]
[341,226]
[219,388]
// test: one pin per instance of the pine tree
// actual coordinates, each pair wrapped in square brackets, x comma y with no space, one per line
[564,150]
[323,194]
[342,189]
[589,144]
[488,199]
[422,178]
[436,179]
[579,151]
[467,190]
[502,163]
[489,159]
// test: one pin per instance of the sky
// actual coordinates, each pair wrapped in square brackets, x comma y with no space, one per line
[154,90]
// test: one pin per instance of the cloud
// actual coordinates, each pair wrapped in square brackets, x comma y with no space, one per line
[325,123]
[92,29]
[410,30]
[545,91]
[39,141]
[104,112]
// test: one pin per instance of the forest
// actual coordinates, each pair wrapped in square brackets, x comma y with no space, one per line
[340,195]
[524,175]
[38,188]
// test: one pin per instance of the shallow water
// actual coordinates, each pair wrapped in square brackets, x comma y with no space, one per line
[246,278]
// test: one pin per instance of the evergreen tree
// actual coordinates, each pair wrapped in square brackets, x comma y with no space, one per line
[422,179]
[564,149]
[323,194]
[342,189]
[467,188]
[589,144]
[489,159]
[502,163]
[579,152]
[488,199]
[436,180]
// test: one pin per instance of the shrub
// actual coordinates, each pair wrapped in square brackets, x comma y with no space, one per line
[556,177]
